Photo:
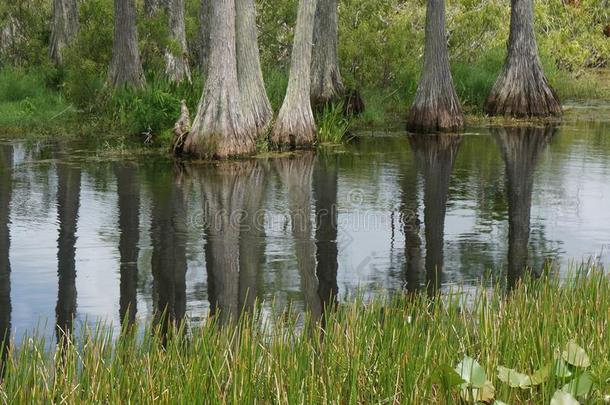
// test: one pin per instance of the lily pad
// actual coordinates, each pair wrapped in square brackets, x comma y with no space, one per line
[541,375]
[513,378]
[580,386]
[447,376]
[562,370]
[471,372]
[575,355]
[485,393]
[563,398]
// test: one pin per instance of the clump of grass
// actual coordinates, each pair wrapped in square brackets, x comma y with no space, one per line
[333,124]
[388,350]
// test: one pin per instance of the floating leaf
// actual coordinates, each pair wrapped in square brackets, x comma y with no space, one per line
[513,378]
[446,376]
[580,386]
[541,375]
[562,370]
[471,372]
[575,355]
[563,398]
[496,402]
[478,394]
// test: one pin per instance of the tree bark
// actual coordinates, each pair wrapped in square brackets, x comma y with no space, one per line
[176,63]
[125,67]
[255,102]
[522,89]
[436,106]
[64,29]
[221,129]
[6,169]
[295,126]
[326,81]
[205,20]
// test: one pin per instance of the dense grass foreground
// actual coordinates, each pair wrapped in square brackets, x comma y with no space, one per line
[397,351]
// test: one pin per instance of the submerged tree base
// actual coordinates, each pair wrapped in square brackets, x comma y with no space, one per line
[432,118]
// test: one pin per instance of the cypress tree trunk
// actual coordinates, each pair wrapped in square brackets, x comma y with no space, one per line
[411,223]
[125,67]
[250,76]
[205,20]
[176,61]
[221,129]
[326,82]
[6,169]
[64,28]
[436,106]
[295,125]
[522,89]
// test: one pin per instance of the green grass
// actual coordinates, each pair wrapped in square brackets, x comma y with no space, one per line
[393,350]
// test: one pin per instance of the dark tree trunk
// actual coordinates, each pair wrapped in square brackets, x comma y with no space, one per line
[326,82]
[6,168]
[435,155]
[128,191]
[64,28]
[521,149]
[176,62]
[295,126]
[411,223]
[255,103]
[522,89]
[68,200]
[125,67]
[436,106]
[221,129]
[205,20]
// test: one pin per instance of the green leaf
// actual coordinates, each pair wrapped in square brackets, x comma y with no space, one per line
[563,398]
[575,355]
[561,369]
[496,402]
[580,386]
[513,378]
[541,375]
[471,372]
[446,376]
[478,394]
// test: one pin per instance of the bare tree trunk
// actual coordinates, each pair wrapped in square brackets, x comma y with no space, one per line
[221,129]
[6,170]
[125,67]
[295,126]
[255,102]
[205,20]
[522,89]
[64,29]
[176,63]
[326,81]
[436,106]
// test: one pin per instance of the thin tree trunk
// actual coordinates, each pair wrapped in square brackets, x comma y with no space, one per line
[125,67]
[255,102]
[205,20]
[522,89]
[295,126]
[64,28]
[436,106]
[176,63]
[326,81]
[6,183]
[221,129]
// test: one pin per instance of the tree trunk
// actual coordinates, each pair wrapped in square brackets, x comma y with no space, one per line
[128,191]
[64,29]
[152,7]
[205,20]
[295,126]
[435,155]
[326,82]
[255,102]
[125,67]
[411,223]
[521,149]
[436,106]
[220,128]
[6,169]
[522,89]
[176,63]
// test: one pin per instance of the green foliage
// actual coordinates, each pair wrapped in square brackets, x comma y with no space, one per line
[333,125]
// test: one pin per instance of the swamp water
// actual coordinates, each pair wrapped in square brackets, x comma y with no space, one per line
[85,238]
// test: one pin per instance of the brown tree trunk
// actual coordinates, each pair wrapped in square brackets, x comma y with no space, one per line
[176,62]
[326,82]
[125,67]
[221,129]
[521,149]
[255,102]
[205,20]
[436,106]
[522,89]
[295,126]
[6,169]
[64,28]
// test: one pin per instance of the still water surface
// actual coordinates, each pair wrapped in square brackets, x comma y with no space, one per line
[84,237]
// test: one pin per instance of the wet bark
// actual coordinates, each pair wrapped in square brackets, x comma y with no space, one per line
[125,67]
[6,167]
[326,81]
[411,223]
[64,27]
[128,191]
[176,60]
[295,126]
[68,201]
[522,89]
[255,102]
[521,149]
[436,106]
[435,156]
[221,129]
[205,20]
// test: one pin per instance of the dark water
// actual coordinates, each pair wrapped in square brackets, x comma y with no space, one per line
[85,237]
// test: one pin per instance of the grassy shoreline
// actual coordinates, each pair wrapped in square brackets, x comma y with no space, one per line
[397,350]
